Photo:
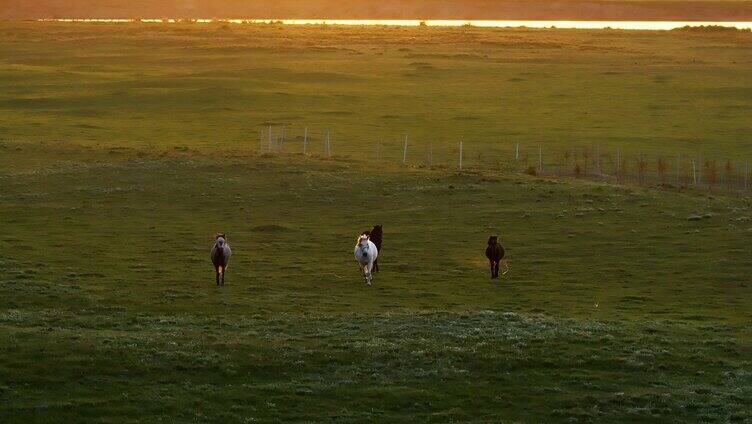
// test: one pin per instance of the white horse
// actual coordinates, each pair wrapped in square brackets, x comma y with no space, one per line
[366,254]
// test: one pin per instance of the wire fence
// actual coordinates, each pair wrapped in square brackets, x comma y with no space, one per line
[613,165]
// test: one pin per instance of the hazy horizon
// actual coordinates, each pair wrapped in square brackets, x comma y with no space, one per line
[699,10]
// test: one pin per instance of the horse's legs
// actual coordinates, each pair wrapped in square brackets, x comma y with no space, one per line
[376,265]
[496,269]
[223,278]
[492,270]
[216,272]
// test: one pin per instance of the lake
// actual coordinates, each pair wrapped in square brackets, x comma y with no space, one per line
[628,25]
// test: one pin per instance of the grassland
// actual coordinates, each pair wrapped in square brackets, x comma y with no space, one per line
[623,304]
[202,86]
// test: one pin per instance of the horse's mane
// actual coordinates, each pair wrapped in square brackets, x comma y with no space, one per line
[374,235]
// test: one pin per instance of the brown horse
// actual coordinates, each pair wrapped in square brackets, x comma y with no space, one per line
[495,254]
[375,235]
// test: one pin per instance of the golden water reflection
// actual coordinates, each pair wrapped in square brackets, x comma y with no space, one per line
[629,25]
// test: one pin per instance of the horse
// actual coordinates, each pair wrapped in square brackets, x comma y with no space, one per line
[375,236]
[220,256]
[366,254]
[495,254]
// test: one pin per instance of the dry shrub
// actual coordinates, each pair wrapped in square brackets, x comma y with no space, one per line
[711,172]
[586,156]
[662,168]
[729,174]
[642,166]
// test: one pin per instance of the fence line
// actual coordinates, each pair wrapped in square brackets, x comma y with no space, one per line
[577,161]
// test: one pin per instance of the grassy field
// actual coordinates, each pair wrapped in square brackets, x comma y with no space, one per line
[623,304]
[207,85]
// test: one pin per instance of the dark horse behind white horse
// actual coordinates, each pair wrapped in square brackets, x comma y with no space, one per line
[495,254]
[220,256]
[376,235]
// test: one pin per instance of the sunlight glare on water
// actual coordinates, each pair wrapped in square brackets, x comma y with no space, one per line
[631,25]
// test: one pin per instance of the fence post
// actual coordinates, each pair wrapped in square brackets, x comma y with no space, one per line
[326,144]
[540,159]
[517,152]
[460,155]
[694,173]
[640,168]
[618,163]
[305,141]
[598,159]
[404,150]
[282,140]
[699,171]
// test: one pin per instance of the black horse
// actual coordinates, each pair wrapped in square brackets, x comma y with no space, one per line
[375,235]
[495,254]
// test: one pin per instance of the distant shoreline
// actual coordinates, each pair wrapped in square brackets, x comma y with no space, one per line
[540,24]
[549,10]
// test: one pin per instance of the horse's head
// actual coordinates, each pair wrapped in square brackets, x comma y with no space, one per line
[493,240]
[221,239]
[363,241]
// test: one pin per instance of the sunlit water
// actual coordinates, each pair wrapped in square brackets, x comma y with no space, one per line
[632,25]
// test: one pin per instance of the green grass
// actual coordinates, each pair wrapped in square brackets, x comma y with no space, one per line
[620,306]
[203,85]
[110,311]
